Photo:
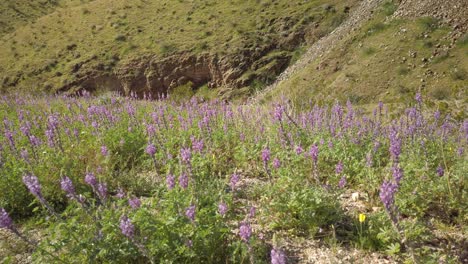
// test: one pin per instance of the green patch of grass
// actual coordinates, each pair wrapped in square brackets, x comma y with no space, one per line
[459,74]
[403,70]
[463,41]
[182,93]
[206,93]
[389,8]
[375,28]
[369,51]
[429,24]
[441,93]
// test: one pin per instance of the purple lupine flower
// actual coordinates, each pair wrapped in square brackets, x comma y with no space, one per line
[265,155]
[151,149]
[222,208]
[395,146]
[150,129]
[252,212]
[104,150]
[5,220]
[197,145]
[32,183]
[67,186]
[234,180]
[278,256]
[339,167]
[170,181]
[183,181]
[126,227]
[440,171]
[50,137]
[102,190]
[245,232]
[11,139]
[299,150]
[278,114]
[397,173]
[190,213]
[120,193]
[342,182]
[24,155]
[276,163]
[313,152]
[186,155]
[418,98]
[91,179]
[387,194]
[460,151]
[35,142]
[134,202]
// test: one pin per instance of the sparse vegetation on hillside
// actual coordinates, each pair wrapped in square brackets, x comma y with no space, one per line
[382,56]
[97,37]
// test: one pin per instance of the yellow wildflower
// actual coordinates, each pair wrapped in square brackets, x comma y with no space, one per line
[362,218]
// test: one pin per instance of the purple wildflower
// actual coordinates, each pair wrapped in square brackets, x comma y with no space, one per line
[32,183]
[120,193]
[387,194]
[440,171]
[265,155]
[314,151]
[127,228]
[342,182]
[67,186]
[234,180]
[102,190]
[299,150]
[245,232]
[418,98]
[24,155]
[395,145]
[104,150]
[278,114]
[183,181]
[278,256]
[339,167]
[197,145]
[190,213]
[276,163]
[91,179]
[460,151]
[222,208]
[252,212]
[186,155]
[170,181]
[134,202]
[5,220]
[151,149]
[397,173]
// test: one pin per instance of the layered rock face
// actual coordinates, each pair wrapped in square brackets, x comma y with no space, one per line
[156,76]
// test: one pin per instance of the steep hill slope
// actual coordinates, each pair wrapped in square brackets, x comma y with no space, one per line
[155,45]
[408,47]
[16,13]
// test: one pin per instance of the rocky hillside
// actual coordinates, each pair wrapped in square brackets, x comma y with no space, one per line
[17,13]
[362,50]
[152,46]
[401,49]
